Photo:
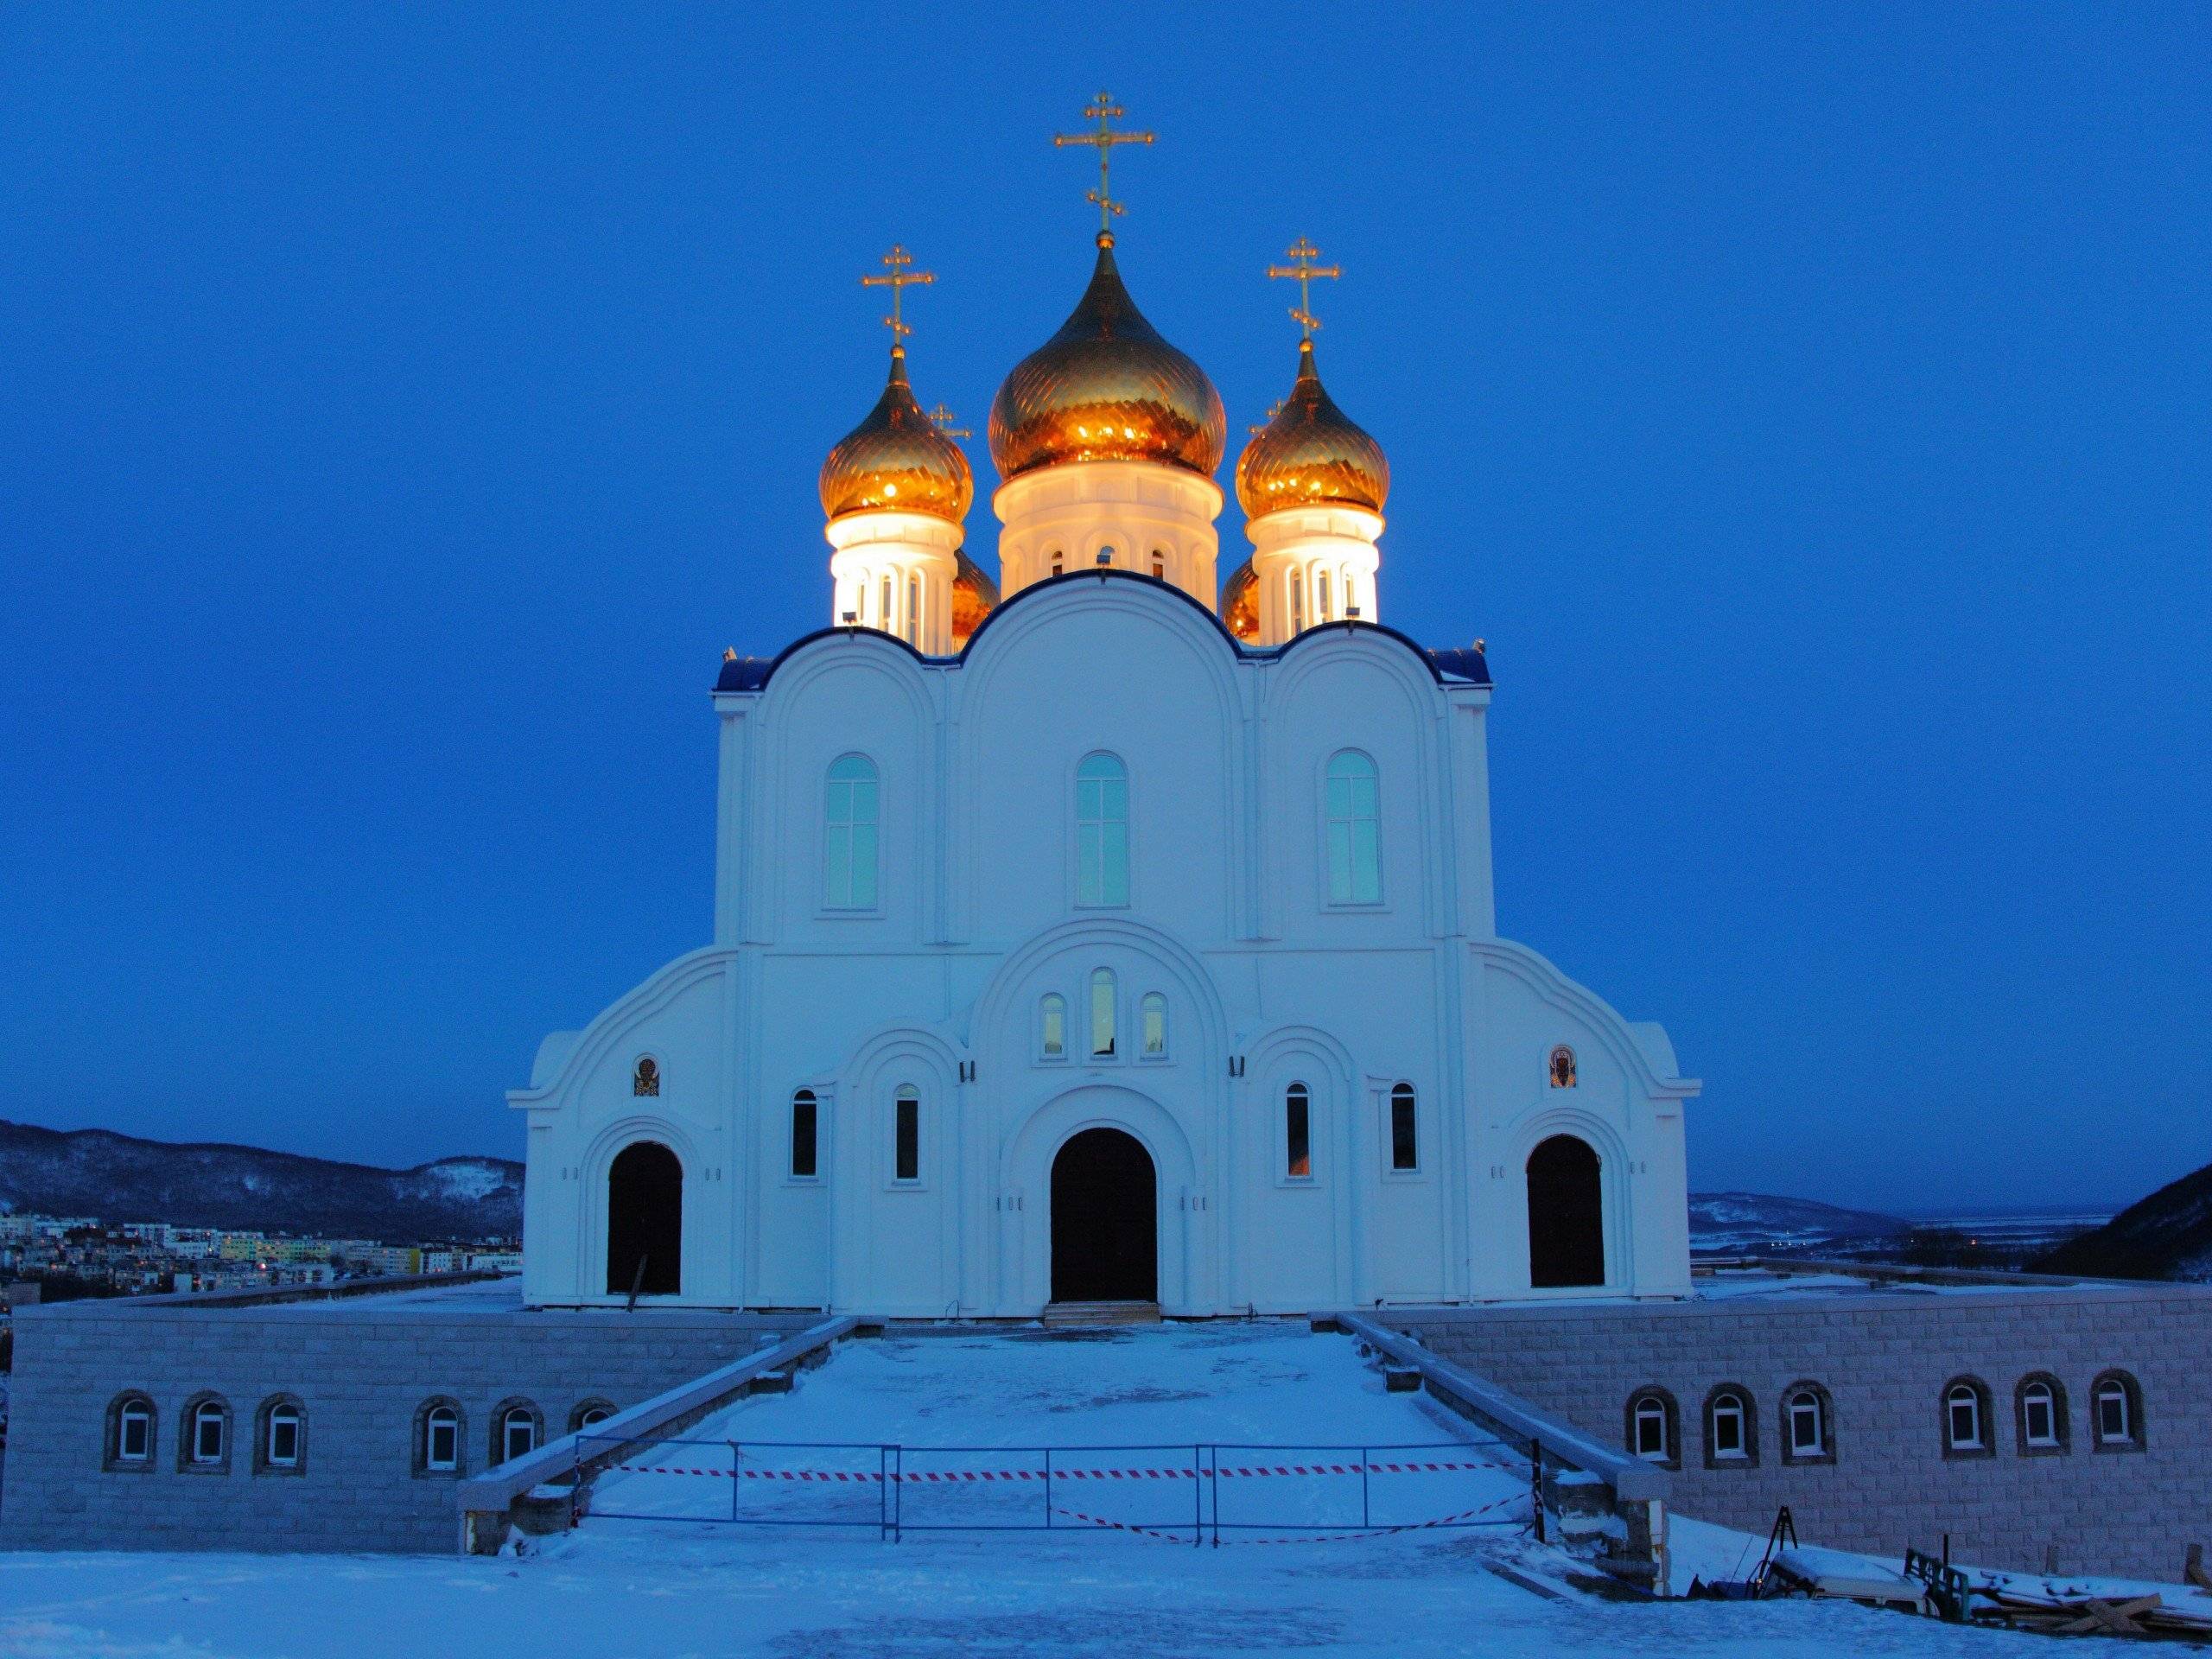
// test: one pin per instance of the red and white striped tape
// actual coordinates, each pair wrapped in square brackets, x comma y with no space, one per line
[1317,1535]
[955,1476]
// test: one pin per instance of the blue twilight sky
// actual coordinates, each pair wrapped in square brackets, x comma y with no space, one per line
[402,406]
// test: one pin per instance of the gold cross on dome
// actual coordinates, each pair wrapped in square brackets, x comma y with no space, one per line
[1303,253]
[1104,111]
[942,419]
[1273,410]
[897,279]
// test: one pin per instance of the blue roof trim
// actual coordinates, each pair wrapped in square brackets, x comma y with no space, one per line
[1460,666]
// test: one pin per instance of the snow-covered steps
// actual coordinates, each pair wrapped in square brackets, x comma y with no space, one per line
[1061,1316]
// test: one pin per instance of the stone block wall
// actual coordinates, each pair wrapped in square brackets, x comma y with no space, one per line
[361,1371]
[1884,1358]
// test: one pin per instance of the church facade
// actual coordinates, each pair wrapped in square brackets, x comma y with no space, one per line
[1125,937]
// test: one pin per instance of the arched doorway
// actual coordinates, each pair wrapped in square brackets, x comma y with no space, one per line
[1105,1220]
[1567,1215]
[644,1222]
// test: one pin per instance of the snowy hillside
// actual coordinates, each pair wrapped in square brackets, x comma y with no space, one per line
[2166,1236]
[1757,1222]
[120,1178]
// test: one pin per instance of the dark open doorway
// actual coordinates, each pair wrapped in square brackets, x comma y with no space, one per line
[644,1220]
[1566,1216]
[1105,1220]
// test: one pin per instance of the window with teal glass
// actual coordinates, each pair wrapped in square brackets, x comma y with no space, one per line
[1102,812]
[1355,856]
[850,883]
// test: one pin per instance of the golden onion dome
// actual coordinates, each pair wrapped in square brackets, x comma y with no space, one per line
[1107,387]
[1240,603]
[974,597]
[896,461]
[1311,455]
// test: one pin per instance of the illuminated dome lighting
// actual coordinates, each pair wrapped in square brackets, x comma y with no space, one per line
[1240,604]
[974,597]
[1311,455]
[1107,387]
[896,461]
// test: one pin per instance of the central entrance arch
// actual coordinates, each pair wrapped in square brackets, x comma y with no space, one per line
[1105,1219]
[644,1220]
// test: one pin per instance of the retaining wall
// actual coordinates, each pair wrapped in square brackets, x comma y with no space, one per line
[1884,1358]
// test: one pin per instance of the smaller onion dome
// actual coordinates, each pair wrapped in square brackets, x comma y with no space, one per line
[974,597]
[1240,603]
[1311,455]
[896,461]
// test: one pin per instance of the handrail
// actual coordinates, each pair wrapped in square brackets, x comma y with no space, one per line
[490,1494]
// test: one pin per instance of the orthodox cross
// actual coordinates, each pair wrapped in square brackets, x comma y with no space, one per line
[897,278]
[942,419]
[1273,410]
[1303,253]
[1103,110]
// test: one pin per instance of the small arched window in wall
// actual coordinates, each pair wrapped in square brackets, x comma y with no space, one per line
[1298,1133]
[1405,1138]
[1563,1067]
[514,1431]
[1322,611]
[1159,564]
[1106,554]
[1965,1420]
[206,1444]
[1057,562]
[437,1442]
[281,1444]
[130,1433]
[1101,814]
[849,880]
[1104,996]
[1651,1427]
[1151,1017]
[1052,1027]
[805,1131]
[2042,1416]
[588,1415]
[644,1077]
[1355,852]
[913,610]
[1297,579]
[2117,1405]
[883,614]
[1731,1428]
[906,1134]
[1808,1426]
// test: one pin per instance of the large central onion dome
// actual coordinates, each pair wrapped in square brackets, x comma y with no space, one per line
[896,461]
[1311,455]
[1107,387]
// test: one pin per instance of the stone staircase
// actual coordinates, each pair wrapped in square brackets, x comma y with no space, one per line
[1062,1315]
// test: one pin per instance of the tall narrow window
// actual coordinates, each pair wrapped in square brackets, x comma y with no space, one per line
[850,879]
[1962,1417]
[209,1426]
[1296,602]
[1052,1022]
[1355,852]
[2039,1416]
[1321,611]
[282,1449]
[442,1440]
[806,1125]
[883,615]
[134,1433]
[913,610]
[1405,1144]
[2118,1411]
[1158,565]
[1805,1425]
[1101,814]
[1298,1133]
[1152,1015]
[1649,1421]
[1060,564]
[1101,1012]
[906,1132]
[1725,1429]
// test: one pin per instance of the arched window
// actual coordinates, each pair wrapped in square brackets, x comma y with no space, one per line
[206,1443]
[644,1077]
[1052,1027]
[805,1130]
[1808,1431]
[1405,1137]
[1651,1428]
[1322,613]
[906,1134]
[1159,565]
[1298,1133]
[849,879]
[1058,563]
[2042,1412]
[1355,857]
[1104,996]
[644,1222]
[281,1446]
[1101,816]
[1731,1428]
[1151,1017]
[1296,602]
[130,1433]
[1965,1420]
[2117,1403]
[883,615]
[1351,591]
[1567,1215]
[1106,554]
[437,1439]
[1563,1067]
[514,1431]
[590,1415]
[913,610]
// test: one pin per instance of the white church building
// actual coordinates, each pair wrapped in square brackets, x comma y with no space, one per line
[1126,936]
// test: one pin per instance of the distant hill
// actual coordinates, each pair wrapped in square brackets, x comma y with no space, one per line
[1758,1221]
[120,1178]
[2166,1236]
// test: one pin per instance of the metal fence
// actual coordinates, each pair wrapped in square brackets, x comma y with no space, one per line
[1189,1493]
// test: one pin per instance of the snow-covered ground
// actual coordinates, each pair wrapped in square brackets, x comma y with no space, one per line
[675,1586]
